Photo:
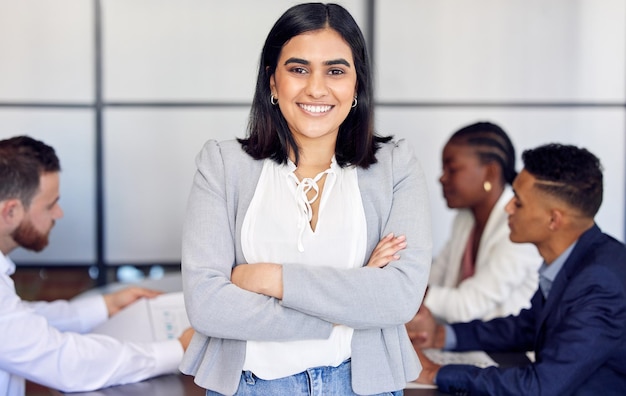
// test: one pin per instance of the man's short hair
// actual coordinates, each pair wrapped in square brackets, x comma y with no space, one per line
[22,161]
[569,173]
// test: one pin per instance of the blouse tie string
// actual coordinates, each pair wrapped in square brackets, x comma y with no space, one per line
[303,187]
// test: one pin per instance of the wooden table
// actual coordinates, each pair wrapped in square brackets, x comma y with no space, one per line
[183,385]
[165,385]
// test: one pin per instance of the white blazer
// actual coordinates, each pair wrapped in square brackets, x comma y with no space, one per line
[505,276]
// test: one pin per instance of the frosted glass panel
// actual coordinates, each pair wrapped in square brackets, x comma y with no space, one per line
[189,49]
[149,167]
[46,49]
[176,51]
[70,133]
[493,50]
[601,131]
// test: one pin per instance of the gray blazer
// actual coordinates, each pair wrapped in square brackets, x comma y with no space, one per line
[375,302]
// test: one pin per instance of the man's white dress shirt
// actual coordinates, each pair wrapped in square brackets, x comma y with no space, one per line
[41,342]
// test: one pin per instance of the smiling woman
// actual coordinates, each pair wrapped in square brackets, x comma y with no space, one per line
[307,244]
[315,85]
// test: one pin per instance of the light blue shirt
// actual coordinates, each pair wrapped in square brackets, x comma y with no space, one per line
[548,272]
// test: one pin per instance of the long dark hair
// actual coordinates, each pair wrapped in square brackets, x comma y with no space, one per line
[268,133]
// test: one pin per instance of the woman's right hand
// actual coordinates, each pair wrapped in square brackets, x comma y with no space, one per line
[387,251]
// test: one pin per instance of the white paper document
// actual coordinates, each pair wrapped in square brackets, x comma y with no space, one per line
[147,320]
[476,358]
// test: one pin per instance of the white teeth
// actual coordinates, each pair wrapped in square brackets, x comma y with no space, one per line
[315,109]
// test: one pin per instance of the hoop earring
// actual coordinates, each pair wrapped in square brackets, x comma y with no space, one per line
[487,186]
[354,103]
[273,100]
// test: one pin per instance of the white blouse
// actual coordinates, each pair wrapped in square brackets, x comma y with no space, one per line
[277,229]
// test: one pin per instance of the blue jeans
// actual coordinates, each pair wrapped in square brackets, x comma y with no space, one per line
[317,381]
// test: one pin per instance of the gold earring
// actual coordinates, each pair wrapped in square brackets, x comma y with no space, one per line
[487,186]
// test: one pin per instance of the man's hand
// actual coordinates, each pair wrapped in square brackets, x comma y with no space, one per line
[117,301]
[185,338]
[424,331]
[386,251]
[429,369]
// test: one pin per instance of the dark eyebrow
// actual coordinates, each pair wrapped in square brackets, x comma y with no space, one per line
[296,60]
[340,61]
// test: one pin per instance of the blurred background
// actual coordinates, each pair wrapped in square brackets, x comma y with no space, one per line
[127,91]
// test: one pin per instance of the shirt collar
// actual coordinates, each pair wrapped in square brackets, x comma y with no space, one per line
[548,273]
[7,266]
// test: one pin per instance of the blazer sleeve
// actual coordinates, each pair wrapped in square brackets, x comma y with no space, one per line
[579,337]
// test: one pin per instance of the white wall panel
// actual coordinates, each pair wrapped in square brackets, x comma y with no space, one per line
[493,50]
[171,51]
[188,50]
[46,50]
[149,166]
[601,131]
[70,133]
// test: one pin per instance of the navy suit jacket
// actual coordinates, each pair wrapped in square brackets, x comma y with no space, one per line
[578,334]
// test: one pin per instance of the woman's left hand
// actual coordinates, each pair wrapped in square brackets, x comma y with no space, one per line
[387,250]
[262,278]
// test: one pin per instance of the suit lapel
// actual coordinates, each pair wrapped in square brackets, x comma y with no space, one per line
[573,262]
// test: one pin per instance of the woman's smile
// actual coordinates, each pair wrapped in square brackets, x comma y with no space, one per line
[316,109]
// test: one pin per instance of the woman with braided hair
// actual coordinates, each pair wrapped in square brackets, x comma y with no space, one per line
[480,273]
